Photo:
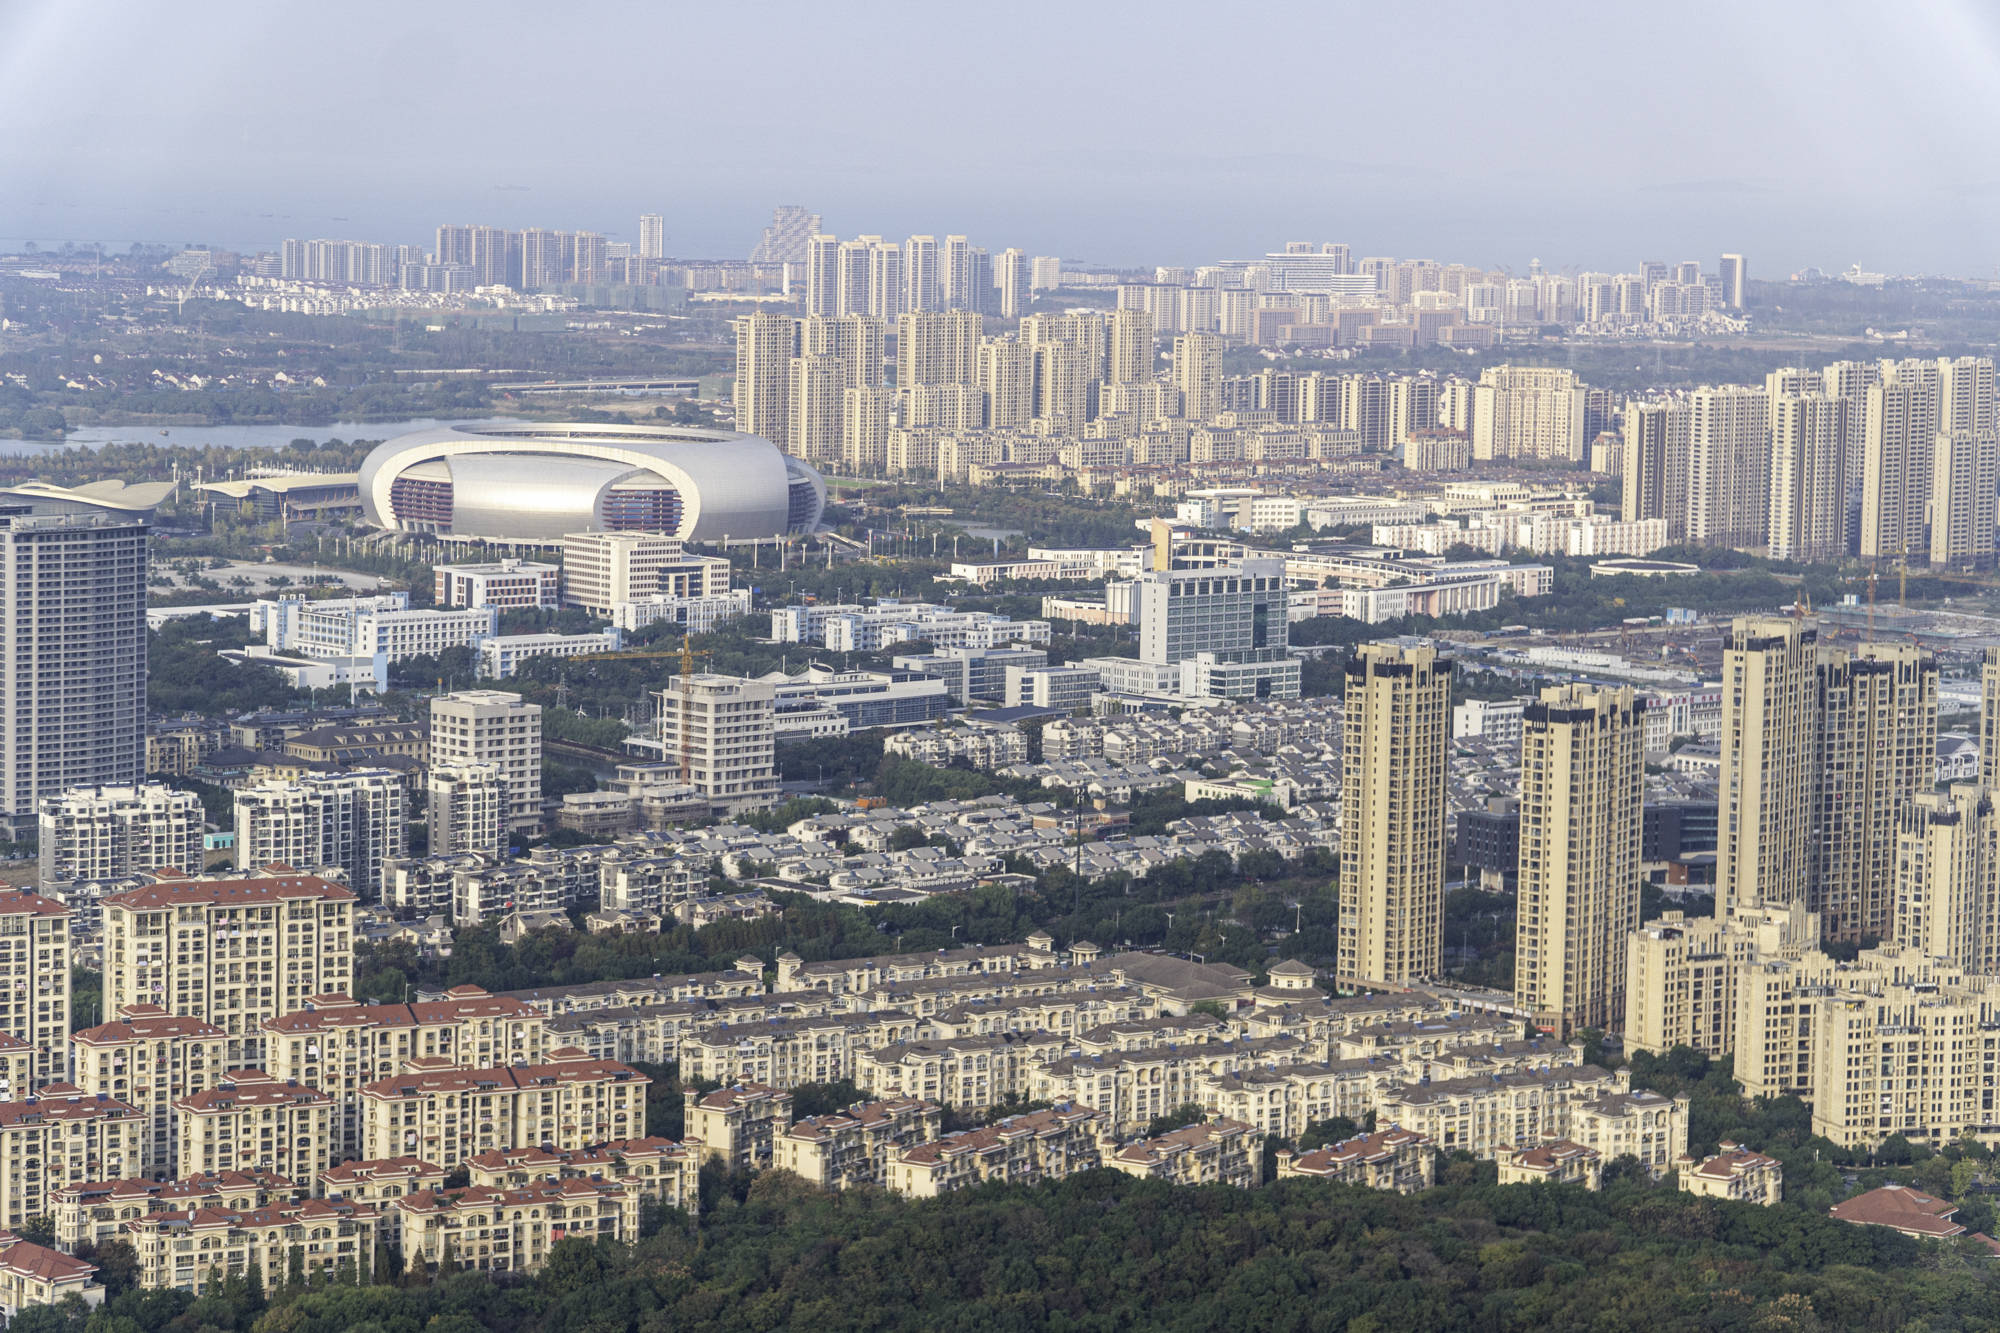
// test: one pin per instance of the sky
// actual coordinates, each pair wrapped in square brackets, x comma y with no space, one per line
[1589,136]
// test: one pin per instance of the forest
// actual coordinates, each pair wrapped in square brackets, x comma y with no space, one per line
[1103,1251]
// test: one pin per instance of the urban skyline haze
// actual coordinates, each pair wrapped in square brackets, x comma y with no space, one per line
[1576,134]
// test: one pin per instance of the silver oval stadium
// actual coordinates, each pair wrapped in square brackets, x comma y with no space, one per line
[535,481]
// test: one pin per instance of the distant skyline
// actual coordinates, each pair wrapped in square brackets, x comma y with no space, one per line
[1586,136]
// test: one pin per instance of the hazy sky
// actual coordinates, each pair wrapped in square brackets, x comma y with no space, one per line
[1594,135]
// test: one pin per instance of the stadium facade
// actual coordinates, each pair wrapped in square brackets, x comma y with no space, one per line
[532,482]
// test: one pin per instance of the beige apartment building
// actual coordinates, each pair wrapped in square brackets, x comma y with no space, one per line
[497,728]
[448,1115]
[1942,876]
[969,1073]
[1042,1145]
[1768,762]
[32,1274]
[94,1211]
[657,1170]
[1681,974]
[1905,1045]
[233,951]
[853,1147]
[1643,1124]
[1484,1115]
[1216,1152]
[378,1185]
[1582,778]
[61,1138]
[1989,718]
[338,1045]
[738,1126]
[17,1062]
[34,982]
[1389,1159]
[1397,737]
[512,1230]
[1876,730]
[147,1057]
[253,1122]
[179,1250]
[1733,1173]
[1557,1162]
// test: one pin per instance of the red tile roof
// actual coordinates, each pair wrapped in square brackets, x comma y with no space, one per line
[340,1011]
[19,902]
[454,1079]
[41,1264]
[227,893]
[1902,1208]
[32,1110]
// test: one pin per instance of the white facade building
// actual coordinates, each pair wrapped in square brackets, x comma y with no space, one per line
[497,728]
[101,833]
[351,820]
[361,627]
[468,809]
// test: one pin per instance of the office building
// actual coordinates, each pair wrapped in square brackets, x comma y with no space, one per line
[147,1057]
[499,729]
[723,732]
[1582,777]
[73,645]
[508,584]
[1234,614]
[603,569]
[35,959]
[1396,739]
[1874,719]
[235,951]
[467,810]
[1769,753]
[353,821]
[106,833]
[383,626]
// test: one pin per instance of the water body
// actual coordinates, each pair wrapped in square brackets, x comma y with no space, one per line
[227,437]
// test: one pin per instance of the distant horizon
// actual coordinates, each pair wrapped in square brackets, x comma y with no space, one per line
[1590,137]
[345,228]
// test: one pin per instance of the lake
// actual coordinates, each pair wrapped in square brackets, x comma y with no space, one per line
[227,437]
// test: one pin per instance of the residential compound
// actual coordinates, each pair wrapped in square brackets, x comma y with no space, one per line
[1831,830]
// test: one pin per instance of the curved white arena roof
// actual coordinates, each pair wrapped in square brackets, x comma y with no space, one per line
[535,481]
